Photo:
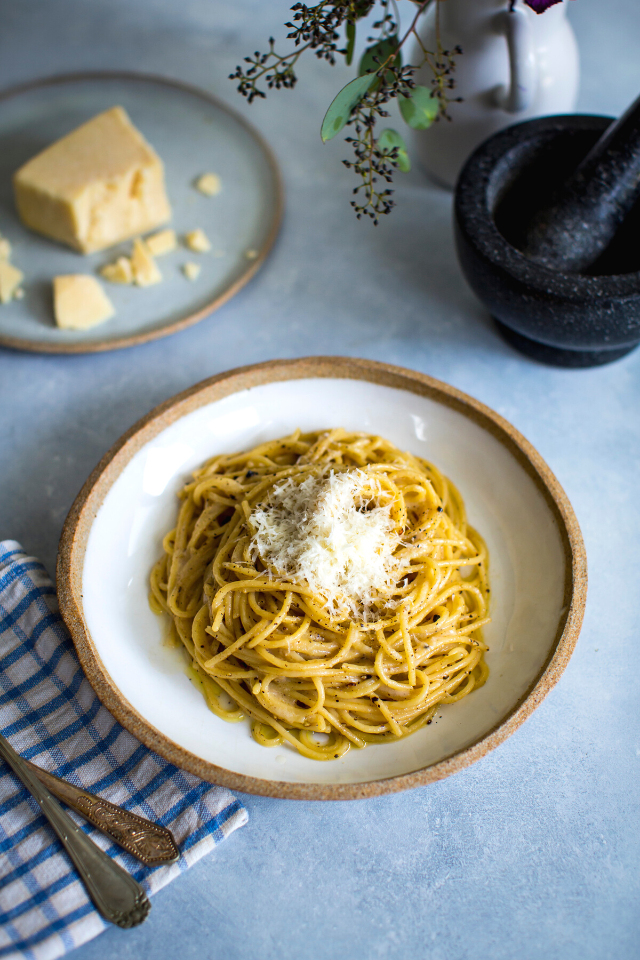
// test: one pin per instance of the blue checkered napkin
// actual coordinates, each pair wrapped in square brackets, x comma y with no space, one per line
[51,715]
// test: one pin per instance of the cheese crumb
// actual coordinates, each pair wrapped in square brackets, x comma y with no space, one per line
[10,276]
[10,280]
[191,270]
[145,269]
[209,184]
[120,271]
[198,241]
[331,533]
[163,242]
[79,302]
[251,254]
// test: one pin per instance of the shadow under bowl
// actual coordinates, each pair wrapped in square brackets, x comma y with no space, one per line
[569,320]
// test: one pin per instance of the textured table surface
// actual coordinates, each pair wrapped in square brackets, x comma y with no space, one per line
[531,853]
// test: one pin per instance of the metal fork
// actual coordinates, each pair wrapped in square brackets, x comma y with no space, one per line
[116,895]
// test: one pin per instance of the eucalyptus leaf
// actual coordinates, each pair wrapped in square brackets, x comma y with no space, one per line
[390,139]
[420,109]
[351,41]
[380,51]
[341,106]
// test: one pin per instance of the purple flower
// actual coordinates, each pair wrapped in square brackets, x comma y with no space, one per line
[541,5]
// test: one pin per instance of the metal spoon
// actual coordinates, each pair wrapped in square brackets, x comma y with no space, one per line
[116,895]
[150,842]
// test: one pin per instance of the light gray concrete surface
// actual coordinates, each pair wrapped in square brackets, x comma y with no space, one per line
[531,853]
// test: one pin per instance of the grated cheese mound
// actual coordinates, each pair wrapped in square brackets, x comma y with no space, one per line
[331,533]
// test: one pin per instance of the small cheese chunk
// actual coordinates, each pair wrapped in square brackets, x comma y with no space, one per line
[79,302]
[10,280]
[191,270]
[145,269]
[198,241]
[120,271]
[5,249]
[251,254]
[209,184]
[163,242]
[100,184]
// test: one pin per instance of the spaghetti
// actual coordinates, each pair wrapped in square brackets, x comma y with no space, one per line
[262,580]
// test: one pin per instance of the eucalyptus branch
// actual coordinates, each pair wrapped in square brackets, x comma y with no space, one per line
[376,159]
[382,78]
[316,28]
[277,71]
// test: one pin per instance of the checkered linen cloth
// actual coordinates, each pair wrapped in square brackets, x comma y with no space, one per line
[51,715]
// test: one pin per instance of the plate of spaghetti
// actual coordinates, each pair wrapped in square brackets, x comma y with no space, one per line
[322,579]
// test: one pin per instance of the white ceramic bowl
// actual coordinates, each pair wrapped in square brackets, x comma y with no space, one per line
[113,536]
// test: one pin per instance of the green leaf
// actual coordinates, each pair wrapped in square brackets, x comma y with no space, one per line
[388,140]
[351,41]
[341,106]
[380,50]
[420,109]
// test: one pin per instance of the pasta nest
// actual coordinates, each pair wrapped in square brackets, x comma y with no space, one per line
[324,637]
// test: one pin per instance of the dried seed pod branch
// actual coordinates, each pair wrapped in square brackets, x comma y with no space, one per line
[382,77]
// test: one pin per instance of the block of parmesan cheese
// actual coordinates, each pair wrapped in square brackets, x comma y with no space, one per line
[79,302]
[100,184]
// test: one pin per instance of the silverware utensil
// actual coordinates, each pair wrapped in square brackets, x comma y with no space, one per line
[116,895]
[150,842]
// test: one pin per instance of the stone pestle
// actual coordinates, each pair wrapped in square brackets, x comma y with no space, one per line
[581,219]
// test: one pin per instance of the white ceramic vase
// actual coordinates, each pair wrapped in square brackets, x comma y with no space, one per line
[515,65]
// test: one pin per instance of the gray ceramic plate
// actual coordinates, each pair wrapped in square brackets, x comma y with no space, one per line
[193,133]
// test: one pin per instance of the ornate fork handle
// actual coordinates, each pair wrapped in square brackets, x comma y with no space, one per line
[151,843]
[116,895]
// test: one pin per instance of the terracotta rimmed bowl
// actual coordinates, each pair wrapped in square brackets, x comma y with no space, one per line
[113,535]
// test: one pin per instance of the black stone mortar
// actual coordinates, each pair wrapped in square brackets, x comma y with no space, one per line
[565,319]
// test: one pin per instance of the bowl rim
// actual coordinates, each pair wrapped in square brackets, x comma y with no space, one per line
[78,524]
[251,267]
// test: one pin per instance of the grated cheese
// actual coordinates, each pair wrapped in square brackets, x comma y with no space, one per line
[331,533]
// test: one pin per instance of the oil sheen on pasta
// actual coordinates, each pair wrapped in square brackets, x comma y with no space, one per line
[265,644]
